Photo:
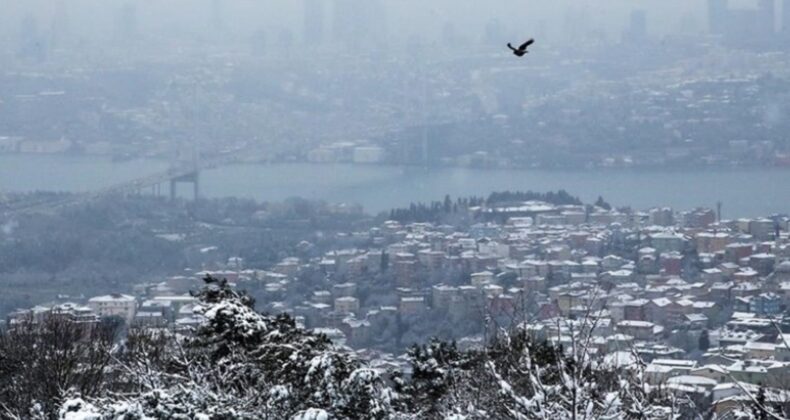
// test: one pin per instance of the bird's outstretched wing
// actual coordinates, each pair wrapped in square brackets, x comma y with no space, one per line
[526,44]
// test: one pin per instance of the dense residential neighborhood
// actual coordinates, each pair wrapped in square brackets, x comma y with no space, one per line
[701,302]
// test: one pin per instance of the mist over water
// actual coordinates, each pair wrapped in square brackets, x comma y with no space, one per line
[106,92]
[744,192]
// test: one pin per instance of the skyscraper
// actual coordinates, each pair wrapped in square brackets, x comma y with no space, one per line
[637,28]
[767,13]
[258,42]
[377,16]
[786,19]
[59,27]
[751,27]
[217,20]
[126,22]
[359,23]
[717,16]
[313,33]
[31,43]
[343,21]
[493,33]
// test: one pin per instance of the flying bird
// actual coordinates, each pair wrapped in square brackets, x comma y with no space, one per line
[520,51]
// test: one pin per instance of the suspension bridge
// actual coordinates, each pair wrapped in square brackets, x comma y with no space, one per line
[179,173]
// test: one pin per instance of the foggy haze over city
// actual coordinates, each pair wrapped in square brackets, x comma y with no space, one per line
[395,83]
[394,209]
[204,21]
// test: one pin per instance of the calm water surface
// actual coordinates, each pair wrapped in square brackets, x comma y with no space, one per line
[744,192]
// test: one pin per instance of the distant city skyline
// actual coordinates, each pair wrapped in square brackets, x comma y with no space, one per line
[90,19]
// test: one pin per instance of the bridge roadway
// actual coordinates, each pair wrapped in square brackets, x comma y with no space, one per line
[188,173]
[136,186]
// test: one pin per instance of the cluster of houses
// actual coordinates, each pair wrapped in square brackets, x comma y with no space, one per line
[697,301]
[158,311]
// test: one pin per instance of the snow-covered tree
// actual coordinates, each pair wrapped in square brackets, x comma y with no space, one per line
[241,364]
[41,359]
[515,377]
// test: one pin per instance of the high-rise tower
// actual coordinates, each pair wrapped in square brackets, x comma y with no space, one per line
[217,18]
[359,23]
[767,13]
[126,22]
[717,16]
[637,27]
[786,20]
[313,33]
[59,28]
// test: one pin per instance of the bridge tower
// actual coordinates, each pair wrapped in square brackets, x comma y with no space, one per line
[186,170]
[188,178]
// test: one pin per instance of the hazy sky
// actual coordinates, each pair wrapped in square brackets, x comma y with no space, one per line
[95,21]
